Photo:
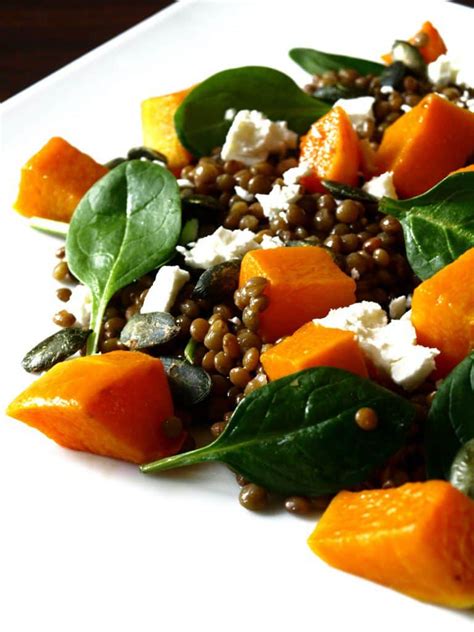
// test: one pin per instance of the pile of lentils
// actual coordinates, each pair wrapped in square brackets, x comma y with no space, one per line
[366,244]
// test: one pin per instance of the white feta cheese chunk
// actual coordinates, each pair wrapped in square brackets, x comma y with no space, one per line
[397,307]
[244,194]
[392,347]
[381,186]
[271,242]
[443,71]
[166,286]
[221,246]
[277,202]
[252,136]
[80,304]
[387,89]
[358,109]
[184,183]
[294,175]
[405,107]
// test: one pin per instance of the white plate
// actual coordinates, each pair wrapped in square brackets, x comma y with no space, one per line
[88,543]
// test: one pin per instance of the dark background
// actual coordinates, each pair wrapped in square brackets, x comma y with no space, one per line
[40,36]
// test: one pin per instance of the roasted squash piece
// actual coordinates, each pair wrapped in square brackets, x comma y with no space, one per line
[314,345]
[331,148]
[158,128]
[424,145]
[55,179]
[443,312]
[114,404]
[304,283]
[417,539]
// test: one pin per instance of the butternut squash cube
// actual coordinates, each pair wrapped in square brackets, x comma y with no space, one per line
[424,145]
[159,131]
[55,179]
[114,404]
[417,539]
[443,312]
[314,345]
[304,283]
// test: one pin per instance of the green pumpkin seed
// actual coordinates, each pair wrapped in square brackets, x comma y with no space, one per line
[332,93]
[200,204]
[189,232]
[462,469]
[410,56]
[147,153]
[190,350]
[149,330]
[345,191]
[218,282]
[115,162]
[394,75]
[54,349]
[189,384]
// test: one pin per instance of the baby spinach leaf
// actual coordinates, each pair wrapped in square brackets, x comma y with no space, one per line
[200,120]
[316,62]
[297,435]
[450,422]
[462,470]
[126,225]
[438,225]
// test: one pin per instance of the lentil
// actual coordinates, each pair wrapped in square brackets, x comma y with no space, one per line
[366,418]
[253,497]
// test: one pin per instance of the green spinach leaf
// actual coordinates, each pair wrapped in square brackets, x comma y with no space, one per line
[316,62]
[450,422]
[462,470]
[200,120]
[298,435]
[127,224]
[438,225]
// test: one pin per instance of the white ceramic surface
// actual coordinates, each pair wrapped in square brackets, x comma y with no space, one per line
[88,543]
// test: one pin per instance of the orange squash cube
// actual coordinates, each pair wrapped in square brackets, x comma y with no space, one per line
[314,345]
[424,145]
[417,539]
[443,312]
[114,404]
[304,283]
[55,179]
[159,131]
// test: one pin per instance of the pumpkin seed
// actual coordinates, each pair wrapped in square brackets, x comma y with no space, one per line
[197,203]
[54,349]
[394,75]
[147,153]
[190,350]
[462,469]
[218,282]
[332,93]
[148,330]
[189,232]
[115,162]
[345,191]
[410,56]
[189,384]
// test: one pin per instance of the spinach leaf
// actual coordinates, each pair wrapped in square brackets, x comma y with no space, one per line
[331,94]
[450,422]
[200,120]
[438,225]
[462,470]
[127,224]
[316,62]
[297,435]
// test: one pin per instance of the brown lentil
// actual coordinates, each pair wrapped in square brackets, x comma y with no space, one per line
[198,329]
[230,346]
[63,294]
[64,319]
[253,497]
[298,505]
[208,361]
[217,428]
[366,418]
[172,427]
[240,377]
[251,359]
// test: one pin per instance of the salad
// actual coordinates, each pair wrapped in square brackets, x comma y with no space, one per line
[252,269]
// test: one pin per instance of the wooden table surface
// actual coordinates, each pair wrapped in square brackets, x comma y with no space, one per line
[39,36]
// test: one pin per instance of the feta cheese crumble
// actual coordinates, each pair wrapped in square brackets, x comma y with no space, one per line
[397,307]
[184,183]
[381,186]
[391,347]
[244,194]
[443,71]
[252,136]
[294,175]
[166,286]
[358,109]
[80,305]
[277,202]
[222,245]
